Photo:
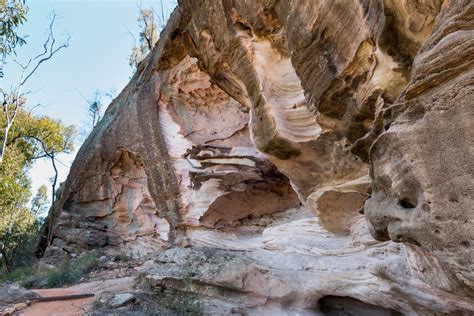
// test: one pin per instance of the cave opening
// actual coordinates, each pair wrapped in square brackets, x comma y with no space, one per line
[348,306]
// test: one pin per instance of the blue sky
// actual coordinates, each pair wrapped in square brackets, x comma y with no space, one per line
[95,59]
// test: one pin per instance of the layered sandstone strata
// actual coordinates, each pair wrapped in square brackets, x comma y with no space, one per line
[245,149]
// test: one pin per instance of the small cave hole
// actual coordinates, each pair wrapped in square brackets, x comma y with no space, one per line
[348,306]
[426,207]
[410,241]
[407,203]
[465,244]
[244,27]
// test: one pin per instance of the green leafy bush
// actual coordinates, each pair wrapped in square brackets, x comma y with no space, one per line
[180,297]
[18,233]
[72,270]
[124,257]
[30,138]
[18,274]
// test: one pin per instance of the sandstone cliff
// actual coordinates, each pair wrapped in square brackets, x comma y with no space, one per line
[251,141]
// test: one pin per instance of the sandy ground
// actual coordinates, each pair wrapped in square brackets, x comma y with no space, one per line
[79,306]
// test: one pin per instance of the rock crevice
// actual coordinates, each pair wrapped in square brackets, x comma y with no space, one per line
[249,143]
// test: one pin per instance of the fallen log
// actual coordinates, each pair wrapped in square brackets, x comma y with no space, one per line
[61,297]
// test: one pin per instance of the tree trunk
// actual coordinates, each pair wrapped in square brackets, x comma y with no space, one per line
[5,262]
[53,198]
[4,141]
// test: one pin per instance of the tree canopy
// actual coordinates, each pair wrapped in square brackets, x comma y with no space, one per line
[147,38]
[31,137]
[12,15]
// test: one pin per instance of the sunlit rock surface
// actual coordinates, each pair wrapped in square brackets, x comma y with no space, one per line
[246,149]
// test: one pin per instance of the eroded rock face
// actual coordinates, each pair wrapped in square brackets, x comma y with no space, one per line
[422,166]
[255,133]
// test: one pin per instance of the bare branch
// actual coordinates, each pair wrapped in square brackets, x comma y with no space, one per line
[147,38]
[133,36]
[50,36]
[5,109]
[30,112]
[49,50]
[62,163]
[162,15]
[85,99]
[51,54]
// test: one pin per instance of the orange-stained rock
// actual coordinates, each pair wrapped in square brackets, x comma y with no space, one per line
[241,154]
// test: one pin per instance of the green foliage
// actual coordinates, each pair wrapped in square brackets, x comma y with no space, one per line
[12,15]
[173,303]
[18,225]
[24,138]
[68,272]
[30,138]
[39,203]
[72,270]
[35,136]
[180,303]
[18,231]
[14,184]
[124,257]
[166,299]
[18,275]
[147,38]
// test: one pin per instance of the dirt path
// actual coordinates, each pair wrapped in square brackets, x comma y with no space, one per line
[78,306]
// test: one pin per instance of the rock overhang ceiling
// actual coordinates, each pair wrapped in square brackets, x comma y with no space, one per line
[268,128]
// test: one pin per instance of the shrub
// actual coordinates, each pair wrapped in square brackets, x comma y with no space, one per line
[18,274]
[124,257]
[166,299]
[18,234]
[72,270]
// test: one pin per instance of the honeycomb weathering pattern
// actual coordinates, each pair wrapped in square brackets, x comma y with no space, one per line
[255,132]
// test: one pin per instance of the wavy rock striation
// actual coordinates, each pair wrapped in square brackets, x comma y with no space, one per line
[250,141]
